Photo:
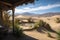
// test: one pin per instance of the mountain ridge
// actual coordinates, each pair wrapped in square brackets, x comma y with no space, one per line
[40,15]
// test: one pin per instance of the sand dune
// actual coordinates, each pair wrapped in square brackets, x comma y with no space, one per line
[43,36]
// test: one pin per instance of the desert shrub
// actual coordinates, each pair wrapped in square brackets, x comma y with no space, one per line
[36,26]
[57,20]
[48,34]
[17,21]
[30,20]
[17,31]
[58,35]
[40,23]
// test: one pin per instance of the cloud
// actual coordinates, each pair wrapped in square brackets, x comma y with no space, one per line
[28,9]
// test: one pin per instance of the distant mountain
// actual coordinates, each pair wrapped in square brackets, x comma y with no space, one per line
[49,14]
[26,14]
[40,15]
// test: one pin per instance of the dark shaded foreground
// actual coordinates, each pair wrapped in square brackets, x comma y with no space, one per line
[11,37]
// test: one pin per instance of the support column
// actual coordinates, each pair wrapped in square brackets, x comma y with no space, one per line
[13,10]
[1,17]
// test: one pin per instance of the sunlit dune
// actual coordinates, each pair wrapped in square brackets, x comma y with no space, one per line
[43,36]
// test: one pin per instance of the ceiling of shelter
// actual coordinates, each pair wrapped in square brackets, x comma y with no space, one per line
[7,4]
[17,2]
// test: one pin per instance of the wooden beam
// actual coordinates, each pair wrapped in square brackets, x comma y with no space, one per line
[6,3]
[13,10]
[16,4]
[4,7]
[1,17]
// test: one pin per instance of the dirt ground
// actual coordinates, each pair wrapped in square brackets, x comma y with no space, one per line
[39,36]
[43,36]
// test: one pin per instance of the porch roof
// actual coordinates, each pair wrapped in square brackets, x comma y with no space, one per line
[8,4]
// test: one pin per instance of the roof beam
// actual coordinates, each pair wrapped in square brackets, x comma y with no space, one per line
[16,4]
[6,3]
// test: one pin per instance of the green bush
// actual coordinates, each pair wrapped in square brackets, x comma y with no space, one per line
[17,21]
[49,35]
[40,23]
[30,20]
[58,35]
[57,20]
[18,31]
[36,26]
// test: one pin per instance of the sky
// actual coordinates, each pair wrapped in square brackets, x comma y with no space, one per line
[40,7]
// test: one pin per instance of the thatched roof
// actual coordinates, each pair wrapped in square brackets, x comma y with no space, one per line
[7,4]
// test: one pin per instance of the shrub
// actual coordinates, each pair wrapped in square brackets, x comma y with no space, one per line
[36,26]
[49,35]
[58,35]
[17,31]
[30,20]
[40,23]
[17,21]
[57,20]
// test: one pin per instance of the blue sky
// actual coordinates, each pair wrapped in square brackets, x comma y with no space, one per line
[40,7]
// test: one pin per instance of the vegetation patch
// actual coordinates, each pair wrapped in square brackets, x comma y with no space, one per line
[17,30]
[58,35]
[40,24]
[57,20]
[30,20]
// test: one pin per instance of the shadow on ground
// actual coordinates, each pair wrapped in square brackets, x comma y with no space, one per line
[29,29]
[42,29]
[11,37]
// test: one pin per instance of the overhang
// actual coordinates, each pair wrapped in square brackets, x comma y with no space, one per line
[8,4]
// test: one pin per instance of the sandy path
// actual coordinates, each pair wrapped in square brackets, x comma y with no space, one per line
[37,35]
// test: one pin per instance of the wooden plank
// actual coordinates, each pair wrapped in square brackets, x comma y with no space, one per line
[18,3]
[13,11]
[5,3]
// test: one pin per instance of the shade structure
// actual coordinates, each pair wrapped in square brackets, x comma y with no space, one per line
[10,5]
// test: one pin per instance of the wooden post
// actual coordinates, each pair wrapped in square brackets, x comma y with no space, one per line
[1,17]
[13,10]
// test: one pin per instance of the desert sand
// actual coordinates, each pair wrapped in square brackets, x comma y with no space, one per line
[43,36]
